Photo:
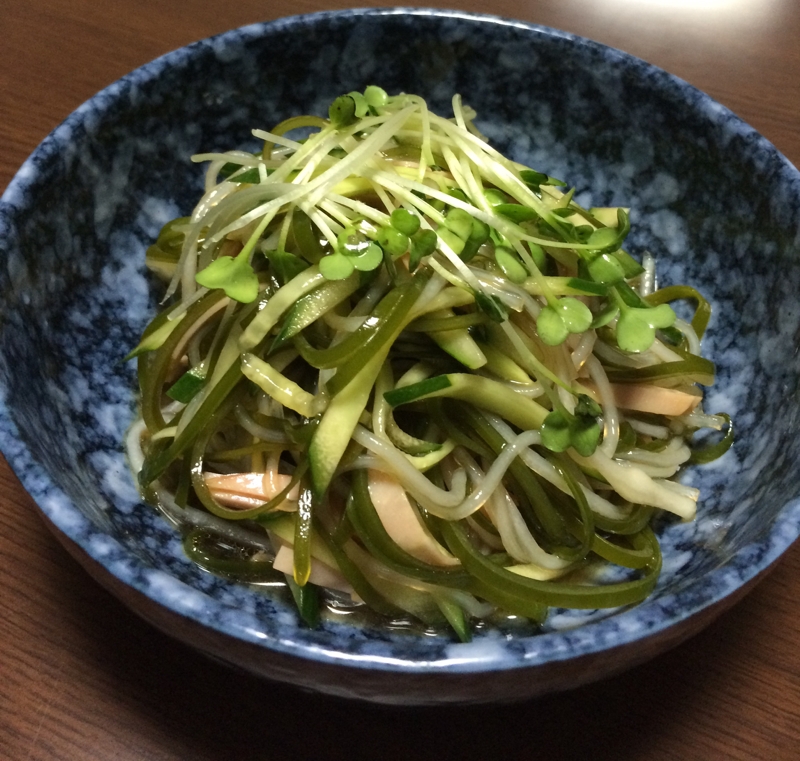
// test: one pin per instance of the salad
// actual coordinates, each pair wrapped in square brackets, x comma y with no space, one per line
[400,370]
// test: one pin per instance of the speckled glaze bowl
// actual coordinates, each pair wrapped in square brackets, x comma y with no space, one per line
[714,201]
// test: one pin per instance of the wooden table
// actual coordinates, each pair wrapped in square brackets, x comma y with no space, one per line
[82,678]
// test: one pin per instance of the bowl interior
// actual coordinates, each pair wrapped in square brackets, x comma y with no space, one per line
[714,202]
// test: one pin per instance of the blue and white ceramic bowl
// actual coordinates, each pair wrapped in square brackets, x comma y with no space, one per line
[714,201]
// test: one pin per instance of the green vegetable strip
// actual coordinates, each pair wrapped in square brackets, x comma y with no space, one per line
[278,386]
[551,593]
[481,392]
[457,322]
[219,555]
[336,426]
[583,529]
[155,334]
[702,312]
[455,616]
[302,538]
[207,498]
[313,306]
[305,237]
[509,600]
[306,598]
[566,286]
[155,466]
[637,520]
[384,335]
[187,386]
[334,356]
[277,304]
[355,577]
[637,557]
[502,365]
[454,432]
[419,390]
[714,451]
[229,455]
[691,370]
[155,368]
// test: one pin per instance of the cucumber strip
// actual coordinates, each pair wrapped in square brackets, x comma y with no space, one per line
[419,390]
[409,444]
[334,356]
[446,320]
[424,462]
[460,345]
[338,422]
[187,386]
[455,616]
[313,305]
[284,527]
[302,538]
[306,598]
[383,335]
[280,388]
[277,304]
[565,286]
[383,421]
[502,365]
[351,387]
[449,331]
[482,392]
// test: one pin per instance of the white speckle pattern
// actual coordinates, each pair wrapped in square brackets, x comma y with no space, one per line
[487,649]
[715,203]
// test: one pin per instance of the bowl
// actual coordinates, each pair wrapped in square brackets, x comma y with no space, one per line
[716,204]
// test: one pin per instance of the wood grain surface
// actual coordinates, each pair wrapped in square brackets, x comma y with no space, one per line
[82,678]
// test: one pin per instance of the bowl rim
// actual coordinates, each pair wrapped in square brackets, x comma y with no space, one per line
[590,638]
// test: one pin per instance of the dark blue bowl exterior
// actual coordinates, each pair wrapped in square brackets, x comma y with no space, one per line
[714,201]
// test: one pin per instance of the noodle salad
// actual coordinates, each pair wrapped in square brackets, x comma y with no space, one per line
[399,370]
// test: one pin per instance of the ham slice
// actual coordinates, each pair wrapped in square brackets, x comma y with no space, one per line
[247,490]
[322,574]
[402,523]
[648,398]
